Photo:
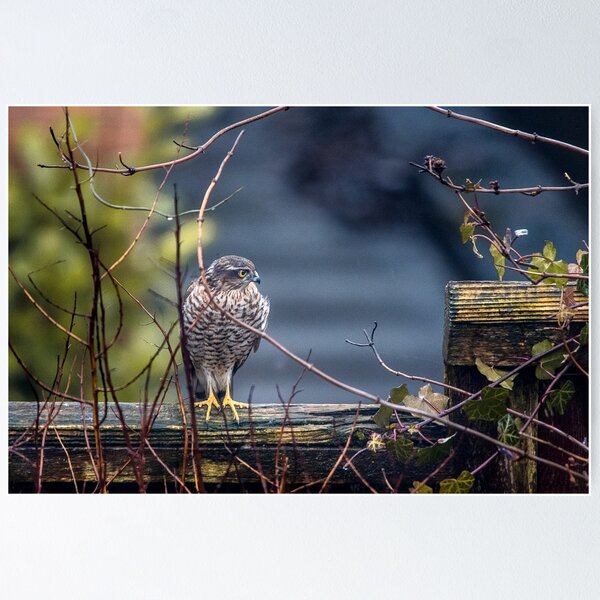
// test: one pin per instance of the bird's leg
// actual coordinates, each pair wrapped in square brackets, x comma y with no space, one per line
[209,402]
[229,401]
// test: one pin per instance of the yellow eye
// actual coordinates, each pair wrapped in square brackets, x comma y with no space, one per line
[242,273]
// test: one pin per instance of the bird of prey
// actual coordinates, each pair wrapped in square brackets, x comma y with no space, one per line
[217,345]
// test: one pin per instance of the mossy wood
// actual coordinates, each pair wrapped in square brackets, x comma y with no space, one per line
[499,323]
[301,445]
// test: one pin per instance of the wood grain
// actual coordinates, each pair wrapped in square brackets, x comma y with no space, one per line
[305,443]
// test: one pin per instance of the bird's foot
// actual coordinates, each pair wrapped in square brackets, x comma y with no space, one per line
[209,403]
[229,401]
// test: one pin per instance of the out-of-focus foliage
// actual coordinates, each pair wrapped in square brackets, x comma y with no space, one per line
[40,247]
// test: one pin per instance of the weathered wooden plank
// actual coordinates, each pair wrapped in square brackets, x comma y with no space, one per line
[500,322]
[304,442]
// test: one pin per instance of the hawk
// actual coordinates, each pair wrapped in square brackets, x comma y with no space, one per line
[218,346]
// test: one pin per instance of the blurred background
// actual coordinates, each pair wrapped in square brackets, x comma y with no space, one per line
[342,230]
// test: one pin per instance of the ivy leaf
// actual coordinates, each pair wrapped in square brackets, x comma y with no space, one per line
[427,401]
[402,448]
[549,251]
[499,261]
[491,407]
[547,365]
[435,453]
[461,485]
[547,264]
[466,231]
[583,285]
[419,488]
[398,394]
[467,228]
[383,415]
[539,265]
[561,268]
[508,432]
[583,334]
[558,399]
[492,374]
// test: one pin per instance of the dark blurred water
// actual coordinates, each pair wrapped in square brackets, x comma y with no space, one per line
[344,232]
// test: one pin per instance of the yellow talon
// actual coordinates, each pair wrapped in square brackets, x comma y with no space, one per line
[209,403]
[229,401]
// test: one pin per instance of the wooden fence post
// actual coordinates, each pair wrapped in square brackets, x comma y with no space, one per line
[499,323]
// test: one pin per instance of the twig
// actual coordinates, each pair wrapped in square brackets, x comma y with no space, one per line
[71,163]
[343,453]
[530,137]
[526,191]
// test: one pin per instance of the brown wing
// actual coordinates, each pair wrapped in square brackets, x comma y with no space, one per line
[265,307]
[192,285]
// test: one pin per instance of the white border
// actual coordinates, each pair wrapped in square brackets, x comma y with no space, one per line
[451,53]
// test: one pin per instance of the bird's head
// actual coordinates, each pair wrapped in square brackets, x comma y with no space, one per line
[231,273]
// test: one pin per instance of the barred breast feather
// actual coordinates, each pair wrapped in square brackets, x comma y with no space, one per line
[217,345]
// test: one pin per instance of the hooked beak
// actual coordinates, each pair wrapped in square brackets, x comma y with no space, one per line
[255,277]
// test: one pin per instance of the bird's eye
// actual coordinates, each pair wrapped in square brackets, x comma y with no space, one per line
[242,273]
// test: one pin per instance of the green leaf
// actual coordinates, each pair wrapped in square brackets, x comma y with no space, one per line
[558,399]
[548,364]
[508,432]
[435,453]
[548,264]
[384,414]
[494,374]
[560,267]
[466,231]
[398,394]
[539,265]
[583,334]
[402,448]
[540,347]
[491,407]
[583,285]
[419,488]
[499,261]
[549,250]
[461,485]
[467,228]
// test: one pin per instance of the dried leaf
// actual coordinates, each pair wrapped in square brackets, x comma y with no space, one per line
[427,401]
[475,250]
